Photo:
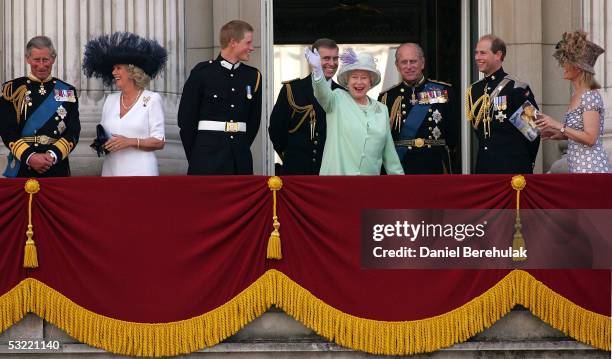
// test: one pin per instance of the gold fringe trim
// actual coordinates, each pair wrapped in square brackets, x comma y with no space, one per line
[131,338]
[275,288]
[455,326]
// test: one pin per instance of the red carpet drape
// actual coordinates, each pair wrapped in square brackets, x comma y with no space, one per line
[169,265]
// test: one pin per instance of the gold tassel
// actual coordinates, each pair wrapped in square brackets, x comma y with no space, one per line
[518,242]
[274,243]
[30,257]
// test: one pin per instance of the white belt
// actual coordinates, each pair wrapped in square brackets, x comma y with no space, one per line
[222,126]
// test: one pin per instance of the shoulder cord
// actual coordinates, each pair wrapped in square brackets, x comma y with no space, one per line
[308,111]
[17,97]
[396,114]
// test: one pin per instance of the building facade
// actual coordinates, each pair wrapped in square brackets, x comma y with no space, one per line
[189,30]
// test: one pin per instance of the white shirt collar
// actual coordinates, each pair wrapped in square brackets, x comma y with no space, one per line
[228,65]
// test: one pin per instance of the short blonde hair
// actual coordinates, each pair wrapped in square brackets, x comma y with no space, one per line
[235,29]
[141,79]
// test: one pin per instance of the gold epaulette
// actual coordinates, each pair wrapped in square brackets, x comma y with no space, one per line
[16,97]
[383,99]
[258,81]
[288,81]
[390,88]
[440,82]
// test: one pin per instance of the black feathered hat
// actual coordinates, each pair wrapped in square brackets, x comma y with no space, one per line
[103,52]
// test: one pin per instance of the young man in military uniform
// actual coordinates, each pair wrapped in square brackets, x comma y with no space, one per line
[502,148]
[423,118]
[297,124]
[39,117]
[220,109]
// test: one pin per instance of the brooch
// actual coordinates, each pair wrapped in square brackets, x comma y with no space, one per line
[61,111]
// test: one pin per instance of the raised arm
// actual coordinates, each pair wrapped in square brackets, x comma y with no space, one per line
[322,91]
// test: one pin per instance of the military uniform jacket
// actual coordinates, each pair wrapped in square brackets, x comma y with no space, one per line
[425,114]
[20,100]
[298,127]
[219,91]
[501,146]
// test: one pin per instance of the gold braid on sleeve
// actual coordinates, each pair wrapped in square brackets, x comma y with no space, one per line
[17,97]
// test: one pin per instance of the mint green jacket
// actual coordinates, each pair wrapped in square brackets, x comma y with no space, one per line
[358,139]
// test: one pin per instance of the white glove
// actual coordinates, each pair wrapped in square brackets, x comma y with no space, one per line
[314,60]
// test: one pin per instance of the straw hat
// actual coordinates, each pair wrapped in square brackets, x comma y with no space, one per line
[576,50]
[352,61]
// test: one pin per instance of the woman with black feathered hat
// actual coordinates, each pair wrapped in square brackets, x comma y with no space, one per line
[133,119]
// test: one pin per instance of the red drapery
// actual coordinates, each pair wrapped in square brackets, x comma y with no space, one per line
[168,249]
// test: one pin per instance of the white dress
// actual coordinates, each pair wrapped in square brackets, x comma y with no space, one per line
[145,119]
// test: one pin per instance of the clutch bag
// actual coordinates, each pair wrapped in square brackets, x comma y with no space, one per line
[99,141]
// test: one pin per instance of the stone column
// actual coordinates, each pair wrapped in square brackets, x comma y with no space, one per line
[597,21]
[519,23]
[70,24]
[558,16]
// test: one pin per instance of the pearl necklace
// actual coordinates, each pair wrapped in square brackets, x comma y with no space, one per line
[133,102]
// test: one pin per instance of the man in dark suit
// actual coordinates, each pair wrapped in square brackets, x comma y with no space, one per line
[39,117]
[297,124]
[423,117]
[502,148]
[220,109]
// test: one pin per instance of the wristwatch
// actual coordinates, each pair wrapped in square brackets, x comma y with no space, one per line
[562,130]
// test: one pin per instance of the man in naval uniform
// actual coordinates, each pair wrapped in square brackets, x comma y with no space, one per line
[297,124]
[39,117]
[502,148]
[220,108]
[422,114]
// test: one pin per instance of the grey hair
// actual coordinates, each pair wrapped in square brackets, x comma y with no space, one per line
[40,42]
[415,46]
[141,79]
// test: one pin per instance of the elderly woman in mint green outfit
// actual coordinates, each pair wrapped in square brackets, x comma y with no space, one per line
[359,138]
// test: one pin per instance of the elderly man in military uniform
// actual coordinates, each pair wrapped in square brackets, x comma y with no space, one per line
[502,148]
[297,124]
[39,117]
[220,109]
[423,119]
